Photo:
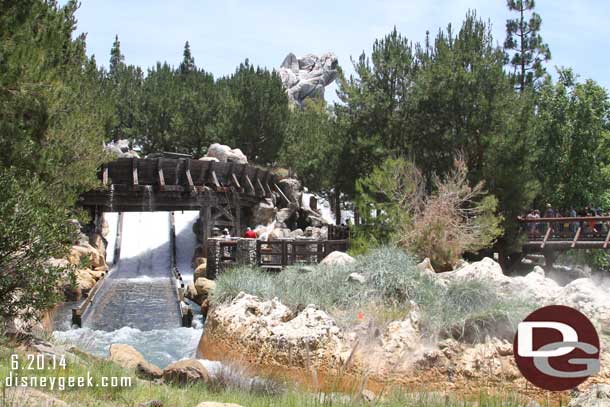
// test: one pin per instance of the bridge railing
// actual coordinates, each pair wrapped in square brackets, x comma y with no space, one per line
[273,254]
[573,230]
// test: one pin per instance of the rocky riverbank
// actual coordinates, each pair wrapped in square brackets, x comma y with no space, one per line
[312,347]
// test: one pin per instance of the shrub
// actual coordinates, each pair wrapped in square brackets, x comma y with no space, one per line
[392,281]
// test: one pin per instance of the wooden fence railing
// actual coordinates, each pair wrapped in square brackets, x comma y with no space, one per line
[572,232]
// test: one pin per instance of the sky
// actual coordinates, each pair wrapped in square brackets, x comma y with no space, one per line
[223,33]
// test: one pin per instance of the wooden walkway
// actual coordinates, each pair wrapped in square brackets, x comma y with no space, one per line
[561,234]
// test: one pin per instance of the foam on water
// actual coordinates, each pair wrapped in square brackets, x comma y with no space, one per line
[112,218]
[132,295]
[186,242]
[160,347]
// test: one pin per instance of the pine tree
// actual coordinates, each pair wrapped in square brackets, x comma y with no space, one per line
[523,38]
[116,58]
[188,62]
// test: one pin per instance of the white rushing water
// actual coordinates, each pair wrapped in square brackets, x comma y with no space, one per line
[186,242]
[144,264]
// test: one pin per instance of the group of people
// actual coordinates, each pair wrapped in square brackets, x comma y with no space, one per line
[225,234]
[593,226]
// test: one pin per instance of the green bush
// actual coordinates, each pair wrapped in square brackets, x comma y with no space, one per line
[392,281]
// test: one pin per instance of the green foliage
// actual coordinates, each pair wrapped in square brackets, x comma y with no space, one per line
[573,142]
[443,224]
[51,133]
[434,101]
[33,228]
[311,148]
[524,41]
[392,281]
[254,111]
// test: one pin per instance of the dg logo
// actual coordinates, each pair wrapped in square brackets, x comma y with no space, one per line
[556,348]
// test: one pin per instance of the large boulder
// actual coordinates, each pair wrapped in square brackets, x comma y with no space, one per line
[307,76]
[86,255]
[204,287]
[120,149]
[225,154]
[201,270]
[264,212]
[185,372]
[292,189]
[337,258]
[125,356]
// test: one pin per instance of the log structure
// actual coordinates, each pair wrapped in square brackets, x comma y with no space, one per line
[224,193]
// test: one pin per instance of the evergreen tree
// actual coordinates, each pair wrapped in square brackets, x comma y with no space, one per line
[51,134]
[188,62]
[253,112]
[523,39]
[117,59]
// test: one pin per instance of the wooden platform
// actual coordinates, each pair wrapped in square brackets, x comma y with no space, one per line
[170,184]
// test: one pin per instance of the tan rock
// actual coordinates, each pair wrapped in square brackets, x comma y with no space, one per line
[217,404]
[199,261]
[125,356]
[337,258]
[84,280]
[201,270]
[148,371]
[204,286]
[185,371]
[97,273]
[86,253]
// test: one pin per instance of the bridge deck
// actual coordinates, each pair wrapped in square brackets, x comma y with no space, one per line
[566,233]
[170,184]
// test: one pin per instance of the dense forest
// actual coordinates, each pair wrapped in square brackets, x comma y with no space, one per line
[527,136]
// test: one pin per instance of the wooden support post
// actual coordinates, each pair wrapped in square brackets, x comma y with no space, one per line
[188,175]
[249,181]
[237,216]
[215,179]
[160,172]
[576,236]
[206,218]
[607,240]
[282,193]
[134,170]
[260,185]
[546,236]
[235,181]
[105,175]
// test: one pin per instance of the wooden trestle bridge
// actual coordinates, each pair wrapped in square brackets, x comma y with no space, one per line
[224,193]
[566,233]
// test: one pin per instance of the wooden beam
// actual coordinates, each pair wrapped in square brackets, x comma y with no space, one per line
[260,185]
[249,181]
[237,216]
[105,175]
[188,174]
[205,214]
[577,236]
[134,171]
[546,236]
[161,176]
[215,179]
[607,240]
[282,193]
[235,181]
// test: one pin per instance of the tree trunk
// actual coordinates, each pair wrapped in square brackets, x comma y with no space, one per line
[337,208]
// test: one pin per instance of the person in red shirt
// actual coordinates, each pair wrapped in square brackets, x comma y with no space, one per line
[250,234]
